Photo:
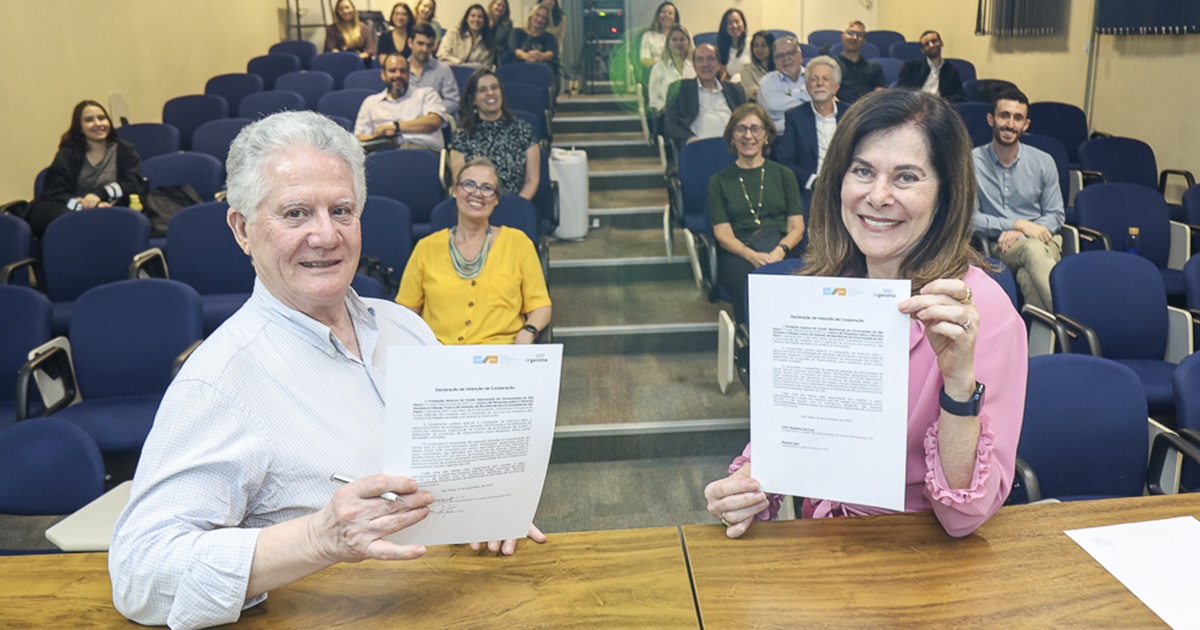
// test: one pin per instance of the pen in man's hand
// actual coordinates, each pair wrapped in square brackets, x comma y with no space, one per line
[390,496]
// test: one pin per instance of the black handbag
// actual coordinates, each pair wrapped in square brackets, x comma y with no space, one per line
[765,239]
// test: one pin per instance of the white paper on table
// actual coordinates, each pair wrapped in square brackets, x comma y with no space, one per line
[829,393]
[474,426]
[1158,561]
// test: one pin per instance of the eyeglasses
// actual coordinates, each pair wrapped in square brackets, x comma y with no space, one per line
[487,191]
[856,34]
[787,55]
[743,130]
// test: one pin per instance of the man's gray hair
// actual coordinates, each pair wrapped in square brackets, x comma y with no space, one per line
[260,143]
[831,62]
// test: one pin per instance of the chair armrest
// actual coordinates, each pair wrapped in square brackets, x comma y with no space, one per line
[1092,177]
[1070,239]
[55,361]
[6,271]
[1164,444]
[1178,172]
[1076,329]
[708,264]
[7,207]
[151,263]
[1091,236]
[1045,331]
[675,198]
[177,364]
[1181,246]
[1180,333]
[379,144]
[1028,479]
[1100,134]
[543,251]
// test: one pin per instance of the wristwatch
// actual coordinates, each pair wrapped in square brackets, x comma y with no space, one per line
[966,409]
[786,250]
[530,328]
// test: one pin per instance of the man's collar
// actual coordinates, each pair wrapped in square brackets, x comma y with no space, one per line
[719,88]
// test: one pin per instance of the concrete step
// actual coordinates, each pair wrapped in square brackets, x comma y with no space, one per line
[609,242]
[600,146]
[671,303]
[568,104]
[596,124]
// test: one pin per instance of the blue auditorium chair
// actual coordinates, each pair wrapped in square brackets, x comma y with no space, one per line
[1131,161]
[16,242]
[343,103]
[1063,121]
[412,177]
[704,38]
[974,115]
[127,339]
[338,65]
[1191,214]
[263,104]
[821,38]
[151,139]
[529,74]
[966,69]
[1115,306]
[202,253]
[868,50]
[528,97]
[982,90]
[233,88]
[698,162]
[461,75]
[1186,387]
[311,85]
[214,137]
[387,233]
[904,50]
[546,197]
[185,113]
[891,69]
[1085,433]
[48,467]
[302,50]
[271,67]
[808,51]
[368,287]
[884,40]
[24,325]
[779,33]
[201,171]
[365,79]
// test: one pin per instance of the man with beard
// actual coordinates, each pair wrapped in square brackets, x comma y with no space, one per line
[810,126]
[932,74]
[426,71]
[1019,206]
[413,116]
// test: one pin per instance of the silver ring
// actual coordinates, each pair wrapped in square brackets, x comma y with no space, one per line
[966,325]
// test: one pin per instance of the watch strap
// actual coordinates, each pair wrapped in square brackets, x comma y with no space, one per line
[968,408]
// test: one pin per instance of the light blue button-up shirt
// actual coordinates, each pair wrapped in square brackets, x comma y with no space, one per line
[1026,190]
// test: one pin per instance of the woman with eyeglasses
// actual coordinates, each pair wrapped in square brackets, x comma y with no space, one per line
[487,128]
[476,283]
[753,205]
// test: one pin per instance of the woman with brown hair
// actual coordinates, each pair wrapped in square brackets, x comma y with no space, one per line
[895,199]
[348,33]
[396,42]
[471,43]
[487,128]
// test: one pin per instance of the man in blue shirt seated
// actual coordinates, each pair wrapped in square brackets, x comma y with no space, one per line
[233,496]
[1019,205]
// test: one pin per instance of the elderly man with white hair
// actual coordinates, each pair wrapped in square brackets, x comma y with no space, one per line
[232,496]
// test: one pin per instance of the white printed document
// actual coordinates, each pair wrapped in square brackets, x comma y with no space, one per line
[829,387]
[473,425]
[1158,561]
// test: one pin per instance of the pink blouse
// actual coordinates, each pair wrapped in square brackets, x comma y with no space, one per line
[1001,363]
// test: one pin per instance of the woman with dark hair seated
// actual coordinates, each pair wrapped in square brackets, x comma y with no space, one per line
[895,199]
[475,283]
[92,169]
[732,48]
[753,204]
[487,128]
[471,43]
[762,61]
[500,19]
[348,33]
[397,41]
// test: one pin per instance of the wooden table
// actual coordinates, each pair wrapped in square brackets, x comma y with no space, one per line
[611,579]
[1018,570]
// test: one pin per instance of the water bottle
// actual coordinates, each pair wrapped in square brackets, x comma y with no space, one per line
[135,203]
[1133,240]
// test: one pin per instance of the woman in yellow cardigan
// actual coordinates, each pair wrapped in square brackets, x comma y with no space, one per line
[475,283]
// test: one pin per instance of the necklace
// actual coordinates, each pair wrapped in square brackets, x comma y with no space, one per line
[468,269]
[762,182]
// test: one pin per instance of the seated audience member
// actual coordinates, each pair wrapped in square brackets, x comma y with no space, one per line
[859,74]
[732,49]
[557,26]
[753,205]
[1019,205]
[425,71]
[399,37]
[486,286]
[487,128]
[348,33]
[502,26]
[654,37]
[534,44]
[701,108]
[92,169]
[232,496]
[675,65]
[427,14]
[784,89]
[810,127]
[894,201]
[471,43]
[762,62]
[412,115]
[931,73]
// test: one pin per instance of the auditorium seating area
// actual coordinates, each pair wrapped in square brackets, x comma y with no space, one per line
[636,303]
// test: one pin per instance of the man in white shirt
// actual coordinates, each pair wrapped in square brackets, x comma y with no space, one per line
[412,115]
[784,88]
[811,125]
[703,106]
[931,73]
[426,71]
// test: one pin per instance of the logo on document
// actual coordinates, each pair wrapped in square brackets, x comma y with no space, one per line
[833,291]
[486,359]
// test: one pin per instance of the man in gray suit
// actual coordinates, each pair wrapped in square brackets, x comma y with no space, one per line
[702,106]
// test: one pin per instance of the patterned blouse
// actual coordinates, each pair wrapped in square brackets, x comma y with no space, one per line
[501,142]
